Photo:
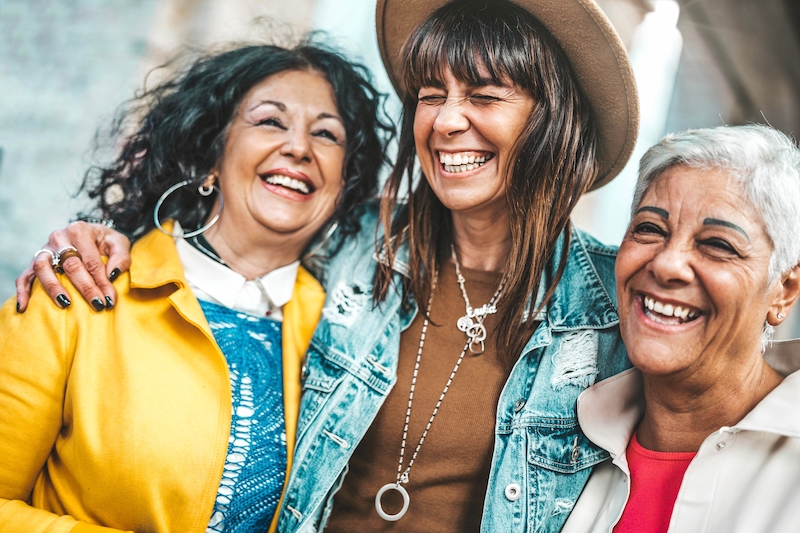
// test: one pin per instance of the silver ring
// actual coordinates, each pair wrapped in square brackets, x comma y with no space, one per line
[378,507]
[46,251]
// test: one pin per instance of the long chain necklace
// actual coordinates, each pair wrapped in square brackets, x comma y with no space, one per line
[402,475]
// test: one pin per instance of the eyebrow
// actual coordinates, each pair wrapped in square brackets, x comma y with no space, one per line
[657,210]
[279,105]
[328,115]
[282,107]
[725,223]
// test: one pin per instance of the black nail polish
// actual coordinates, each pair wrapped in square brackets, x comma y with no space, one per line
[98,304]
[109,303]
[17,307]
[63,301]
[114,274]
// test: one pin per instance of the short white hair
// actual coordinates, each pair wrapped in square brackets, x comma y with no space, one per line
[763,160]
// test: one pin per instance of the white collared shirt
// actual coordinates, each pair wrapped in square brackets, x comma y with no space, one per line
[214,282]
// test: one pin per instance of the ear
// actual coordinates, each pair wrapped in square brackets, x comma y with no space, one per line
[788,292]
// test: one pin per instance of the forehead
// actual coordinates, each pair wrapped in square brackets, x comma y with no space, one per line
[697,193]
[697,186]
[299,90]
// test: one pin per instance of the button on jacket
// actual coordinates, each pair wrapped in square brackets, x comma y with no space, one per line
[744,479]
[541,458]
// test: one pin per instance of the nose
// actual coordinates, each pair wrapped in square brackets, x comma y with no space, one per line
[672,265]
[451,119]
[297,145]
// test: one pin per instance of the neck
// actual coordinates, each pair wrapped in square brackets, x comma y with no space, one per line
[680,414]
[482,242]
[253,257]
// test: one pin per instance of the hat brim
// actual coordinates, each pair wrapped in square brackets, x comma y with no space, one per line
[591,45]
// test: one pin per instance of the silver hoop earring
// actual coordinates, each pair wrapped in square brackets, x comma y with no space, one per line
[322,241]
[204,191]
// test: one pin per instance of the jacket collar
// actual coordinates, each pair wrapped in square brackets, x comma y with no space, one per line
[610,410]
[155,262]
[580,288]
[582,298]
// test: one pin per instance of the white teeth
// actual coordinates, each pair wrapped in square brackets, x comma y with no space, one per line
[668,309]
[289,183]
[455,163]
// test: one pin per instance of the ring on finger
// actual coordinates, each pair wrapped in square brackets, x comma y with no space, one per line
[62,255]
[48,252]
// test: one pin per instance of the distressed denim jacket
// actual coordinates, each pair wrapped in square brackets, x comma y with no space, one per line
[541,458]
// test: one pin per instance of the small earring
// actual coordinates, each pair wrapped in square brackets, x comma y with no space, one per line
[207,187]
[780,316]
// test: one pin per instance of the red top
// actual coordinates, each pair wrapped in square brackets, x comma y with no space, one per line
[655,480]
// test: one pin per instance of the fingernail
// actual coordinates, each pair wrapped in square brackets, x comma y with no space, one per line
[63,301]
[17,307]
[98,304]
[109,303]
[114,275]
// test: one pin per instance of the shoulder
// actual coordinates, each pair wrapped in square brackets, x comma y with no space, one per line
[601,257]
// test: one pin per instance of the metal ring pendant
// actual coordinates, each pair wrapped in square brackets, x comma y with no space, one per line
[378,507]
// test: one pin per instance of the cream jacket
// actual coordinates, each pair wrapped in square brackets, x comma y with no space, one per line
[744,479]
[122,418]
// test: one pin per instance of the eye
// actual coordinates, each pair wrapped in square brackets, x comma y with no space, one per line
[719,244]
[326,134]
[647,228]
[483,99]
[271,121]
[432,99]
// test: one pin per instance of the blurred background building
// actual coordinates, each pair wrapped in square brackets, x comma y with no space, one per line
[65,66]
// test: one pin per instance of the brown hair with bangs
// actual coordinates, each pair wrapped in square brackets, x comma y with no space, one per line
[554,159]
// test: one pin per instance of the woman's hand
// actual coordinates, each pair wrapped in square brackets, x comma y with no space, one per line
[92,277]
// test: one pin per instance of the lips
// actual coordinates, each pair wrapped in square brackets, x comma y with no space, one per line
[457,162]
[668,313]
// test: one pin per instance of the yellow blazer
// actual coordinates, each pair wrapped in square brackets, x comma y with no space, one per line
[121,418]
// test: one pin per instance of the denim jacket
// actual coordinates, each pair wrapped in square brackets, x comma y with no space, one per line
[541,458]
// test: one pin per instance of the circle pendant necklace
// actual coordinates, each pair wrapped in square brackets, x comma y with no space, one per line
[402,475]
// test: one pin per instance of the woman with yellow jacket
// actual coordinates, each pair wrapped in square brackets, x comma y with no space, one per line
[177,412]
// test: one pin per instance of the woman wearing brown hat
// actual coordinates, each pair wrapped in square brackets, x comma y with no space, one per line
[440,386]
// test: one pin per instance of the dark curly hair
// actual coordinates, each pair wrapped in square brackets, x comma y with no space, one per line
[181,127]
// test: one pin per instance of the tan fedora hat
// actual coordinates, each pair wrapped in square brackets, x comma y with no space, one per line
[591,44]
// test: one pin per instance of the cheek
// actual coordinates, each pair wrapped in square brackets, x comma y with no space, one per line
[423,128]
[623,267]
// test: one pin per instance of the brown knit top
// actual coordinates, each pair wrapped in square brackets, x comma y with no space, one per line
[448,480]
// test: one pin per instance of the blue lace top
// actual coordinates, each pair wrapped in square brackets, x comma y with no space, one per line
[255,467]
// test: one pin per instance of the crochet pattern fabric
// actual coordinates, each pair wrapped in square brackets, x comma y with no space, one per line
[255,467]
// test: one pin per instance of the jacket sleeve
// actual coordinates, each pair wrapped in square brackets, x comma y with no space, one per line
[35,360]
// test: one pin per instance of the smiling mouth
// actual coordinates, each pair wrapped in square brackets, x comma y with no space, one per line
[463,161]
[292,184]
[664,313]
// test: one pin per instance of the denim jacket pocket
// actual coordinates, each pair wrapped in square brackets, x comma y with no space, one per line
[560,458]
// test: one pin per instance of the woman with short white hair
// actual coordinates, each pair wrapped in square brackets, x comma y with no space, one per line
[703,433]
